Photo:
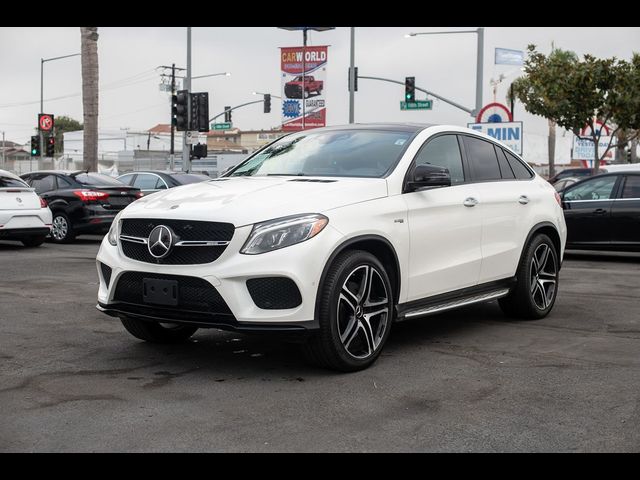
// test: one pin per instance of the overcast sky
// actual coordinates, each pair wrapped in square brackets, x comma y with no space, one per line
[130,95]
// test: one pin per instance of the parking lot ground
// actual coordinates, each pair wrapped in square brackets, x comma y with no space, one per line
[72,379]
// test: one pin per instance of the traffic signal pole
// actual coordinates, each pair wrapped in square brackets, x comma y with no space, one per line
[234,108]
[173,135]
[186,149]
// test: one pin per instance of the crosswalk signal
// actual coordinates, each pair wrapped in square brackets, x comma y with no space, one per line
[200,150]
[267,102]
[51,146]
[410,89]
[35,146]
[227,114]
[180,110]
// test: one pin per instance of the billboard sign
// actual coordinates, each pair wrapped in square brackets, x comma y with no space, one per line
[583,146]
[507,133]
[303,74]
[506,56]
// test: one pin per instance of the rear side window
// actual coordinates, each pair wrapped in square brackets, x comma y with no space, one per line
[126,179]
[145,182]
[521,172]
[44,184]
[443,151]
[631,187]
[64,183]
[6,181]
[483,159]
[505,169]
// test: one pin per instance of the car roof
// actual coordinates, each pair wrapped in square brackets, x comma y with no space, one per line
[7,173]
[162,172]
[59,172]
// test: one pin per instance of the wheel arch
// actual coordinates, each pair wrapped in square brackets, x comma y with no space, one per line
[379,247]
[548,229]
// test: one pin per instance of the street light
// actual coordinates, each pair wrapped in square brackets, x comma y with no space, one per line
[479,60]
[227,74]
[42,62]
[272,95]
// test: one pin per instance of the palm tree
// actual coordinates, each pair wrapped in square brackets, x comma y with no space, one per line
[89,51]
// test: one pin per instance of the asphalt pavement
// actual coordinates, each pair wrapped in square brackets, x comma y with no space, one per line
[73,380]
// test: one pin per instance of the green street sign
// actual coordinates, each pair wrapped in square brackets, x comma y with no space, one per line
[221,126]
[417,105]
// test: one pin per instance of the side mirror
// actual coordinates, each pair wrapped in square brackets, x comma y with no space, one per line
[428,176]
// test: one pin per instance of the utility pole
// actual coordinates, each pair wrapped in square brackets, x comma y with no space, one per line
[173,92]
[186,149]
[3,148]
[352,76]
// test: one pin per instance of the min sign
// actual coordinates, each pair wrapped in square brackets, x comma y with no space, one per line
[508,133]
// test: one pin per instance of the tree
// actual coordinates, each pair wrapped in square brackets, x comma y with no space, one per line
[65,124]
[576,93]
[89,52]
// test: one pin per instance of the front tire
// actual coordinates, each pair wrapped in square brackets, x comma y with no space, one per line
[355,313]
[537,276]
[154,332]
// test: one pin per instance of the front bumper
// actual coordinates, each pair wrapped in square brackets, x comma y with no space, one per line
[302,263]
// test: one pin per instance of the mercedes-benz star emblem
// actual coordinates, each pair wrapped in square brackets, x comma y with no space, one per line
[160,241]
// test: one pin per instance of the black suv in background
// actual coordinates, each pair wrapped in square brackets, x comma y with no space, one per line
[81,202]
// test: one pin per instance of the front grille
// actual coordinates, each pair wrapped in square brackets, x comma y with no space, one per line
[194,294]
[273,293]
[184,230]
[106,273]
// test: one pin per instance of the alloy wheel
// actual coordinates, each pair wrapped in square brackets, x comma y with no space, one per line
[544,276]
[363,311]
[59,228]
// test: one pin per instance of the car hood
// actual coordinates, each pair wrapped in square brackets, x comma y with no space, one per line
[246,200]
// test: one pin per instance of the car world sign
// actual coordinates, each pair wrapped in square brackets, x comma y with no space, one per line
[509,133]
[303,73]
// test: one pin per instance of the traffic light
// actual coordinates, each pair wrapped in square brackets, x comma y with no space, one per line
[180,110]
[35,146]
[51,146]
[267,102]
[410,89]
[199,112]
[227,114]
[200,150]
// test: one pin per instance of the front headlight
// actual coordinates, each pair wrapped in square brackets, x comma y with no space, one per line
[112,236]
[283,232]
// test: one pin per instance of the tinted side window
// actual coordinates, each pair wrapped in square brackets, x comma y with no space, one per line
[631,187]
[443,151]
[145,182]
[160,185]
[483,159]
[522,172]
[7,181]
[594,189]
[505,169]
[64,183]
[126,179]
[44,184]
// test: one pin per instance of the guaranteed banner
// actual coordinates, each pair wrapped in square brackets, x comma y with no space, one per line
[303,71]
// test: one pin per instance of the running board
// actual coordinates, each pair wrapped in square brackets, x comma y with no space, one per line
[440,307]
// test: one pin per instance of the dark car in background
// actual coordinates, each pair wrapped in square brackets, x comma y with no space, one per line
[151,181]
[603,212]
[573,172]
[81,202]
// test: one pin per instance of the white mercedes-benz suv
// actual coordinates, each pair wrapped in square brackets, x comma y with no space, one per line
[24,216]
[337,233]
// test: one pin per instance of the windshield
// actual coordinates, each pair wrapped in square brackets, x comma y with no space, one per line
[97,179]
[341,153]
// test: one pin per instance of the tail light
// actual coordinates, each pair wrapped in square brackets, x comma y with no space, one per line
[90,195]
[558,199]
[43,203]
[139,194]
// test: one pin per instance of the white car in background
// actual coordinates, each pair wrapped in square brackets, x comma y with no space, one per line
[24,216]
[337,233]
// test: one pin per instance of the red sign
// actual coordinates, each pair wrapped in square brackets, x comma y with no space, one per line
[494,113]
[45,122]
[303,73]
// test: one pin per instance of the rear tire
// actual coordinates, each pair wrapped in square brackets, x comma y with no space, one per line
[62,230]
[33,241]
[154,332]
[537,276]
[355,313]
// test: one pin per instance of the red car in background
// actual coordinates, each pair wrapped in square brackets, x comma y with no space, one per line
[294,88]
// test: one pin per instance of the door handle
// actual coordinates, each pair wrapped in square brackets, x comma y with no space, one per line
[470,202]
[523,199]
[599,211]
